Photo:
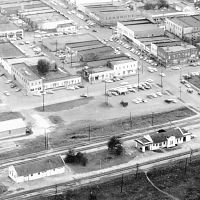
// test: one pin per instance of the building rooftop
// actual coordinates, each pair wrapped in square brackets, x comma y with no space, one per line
[117,62]
[23,68]
[99,69]
[8,27]
[8,50]
[163,11]
[12,124]
[136,21]
[187,21]
[178,48]
[162,137]
[39,165]
[107,8]
[143,27]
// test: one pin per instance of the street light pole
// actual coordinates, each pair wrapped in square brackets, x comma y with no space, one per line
[43,94]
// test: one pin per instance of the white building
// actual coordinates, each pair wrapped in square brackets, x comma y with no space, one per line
[12,128]
[33,83]
[164,139]
[66,28]
[124,67]
[10,31]
[36,169]
[115,69]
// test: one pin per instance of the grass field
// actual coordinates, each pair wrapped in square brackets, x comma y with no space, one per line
[178,179]
[195,80]
[115,126]
[10,115]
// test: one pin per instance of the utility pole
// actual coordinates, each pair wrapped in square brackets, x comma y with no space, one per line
[191,154]
[122,182]
[106,97]
[161,80]
[180,91]
[56,191]
[152,118]
[42,93]
[89,132]
[186,165]
[137,168]
[138,78]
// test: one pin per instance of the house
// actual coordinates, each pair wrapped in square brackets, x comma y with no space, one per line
[36,169]
[12,128]
[162,139]
[67,28]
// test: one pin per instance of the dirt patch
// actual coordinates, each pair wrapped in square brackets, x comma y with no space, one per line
[56,119]
[195,80]
[10,115]
[65,105]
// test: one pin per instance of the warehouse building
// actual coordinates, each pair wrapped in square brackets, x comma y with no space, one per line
[109,14]
[35,169]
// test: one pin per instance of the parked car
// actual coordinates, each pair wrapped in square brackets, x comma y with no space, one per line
[6,93]
[190,90]
[170,100]
[18,89]
[13,85]
[84,95]
[123,103]
[8,81]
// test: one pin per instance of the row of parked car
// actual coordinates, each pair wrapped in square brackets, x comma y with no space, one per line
[12,85]
[125,88]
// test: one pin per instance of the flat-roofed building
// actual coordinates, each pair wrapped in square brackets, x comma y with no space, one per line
[25,72]
[115,68]
[182,26]
[138,29]
[109,13]
[10,31]
[178,54]
[67,28]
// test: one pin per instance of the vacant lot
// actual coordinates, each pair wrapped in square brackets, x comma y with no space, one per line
[180,180]
[195,80]
[65,105]
[97,128]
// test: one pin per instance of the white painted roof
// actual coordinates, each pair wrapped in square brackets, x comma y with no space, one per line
[12,124]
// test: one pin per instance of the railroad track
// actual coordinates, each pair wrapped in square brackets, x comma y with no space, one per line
[99,141]
[76,183]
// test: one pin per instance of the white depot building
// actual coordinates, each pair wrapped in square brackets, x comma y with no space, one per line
[36,169]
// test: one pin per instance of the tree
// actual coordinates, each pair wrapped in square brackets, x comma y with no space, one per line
[162,4]
[115,145]
[43,66]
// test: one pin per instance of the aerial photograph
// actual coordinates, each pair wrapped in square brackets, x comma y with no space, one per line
[99,99]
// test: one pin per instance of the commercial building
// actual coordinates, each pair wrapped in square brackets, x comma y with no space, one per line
[80,2]
[7,7]
[44,18]
[178,54]
[118,68]
[67,28]
[10,31]
[35,169]
[137,30]
[27,75]
[182,26]
[108,13]
[12,128]
[162,139]
[159,15]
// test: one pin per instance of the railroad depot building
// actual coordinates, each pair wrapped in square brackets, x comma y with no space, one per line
[162,139]
[108,13]
[36,169]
